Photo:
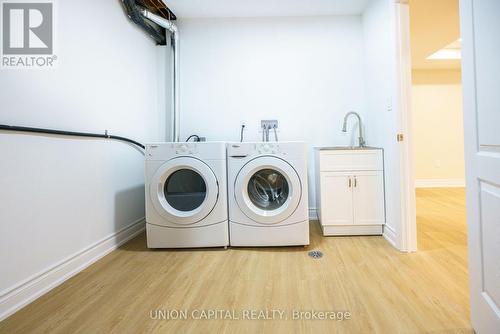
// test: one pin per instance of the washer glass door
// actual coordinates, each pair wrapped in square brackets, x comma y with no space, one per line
[184,190]
[268,190]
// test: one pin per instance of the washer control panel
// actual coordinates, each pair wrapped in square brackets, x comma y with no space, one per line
[243,150]
[284,150]
[268,148]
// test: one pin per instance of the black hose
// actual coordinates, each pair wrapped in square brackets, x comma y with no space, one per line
[196,138]
[241,132]
[68,133]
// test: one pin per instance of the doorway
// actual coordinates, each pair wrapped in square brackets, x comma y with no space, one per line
[436,130]
[449,237]
[437,133]
[437,124]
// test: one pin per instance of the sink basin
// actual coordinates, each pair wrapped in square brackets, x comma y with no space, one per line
[342,148]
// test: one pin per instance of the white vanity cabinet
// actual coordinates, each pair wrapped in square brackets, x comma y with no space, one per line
[350,190]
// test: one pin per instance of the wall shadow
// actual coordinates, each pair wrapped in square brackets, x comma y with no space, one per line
[129,208]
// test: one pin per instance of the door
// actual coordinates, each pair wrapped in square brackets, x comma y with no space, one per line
[184,190]
[480,27]
[368,198]
[336,198]
[268,190]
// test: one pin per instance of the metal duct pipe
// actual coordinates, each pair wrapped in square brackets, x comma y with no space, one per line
[174,37]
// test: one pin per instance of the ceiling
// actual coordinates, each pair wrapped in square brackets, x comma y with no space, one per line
[264,8]
[434,24]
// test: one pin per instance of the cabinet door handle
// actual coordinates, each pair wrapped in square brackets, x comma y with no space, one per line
[350,182]
[355,182]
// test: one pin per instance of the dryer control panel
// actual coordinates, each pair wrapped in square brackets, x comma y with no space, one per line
[200,150]
[171,149]
[185,148]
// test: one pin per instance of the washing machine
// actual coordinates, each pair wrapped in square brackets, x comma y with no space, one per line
[186,195]
[267,194]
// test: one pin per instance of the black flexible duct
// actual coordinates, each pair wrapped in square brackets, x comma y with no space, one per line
[196,138]
[135,15]
[68,133]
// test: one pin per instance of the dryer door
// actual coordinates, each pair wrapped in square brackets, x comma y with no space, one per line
[268,190]
[184,190]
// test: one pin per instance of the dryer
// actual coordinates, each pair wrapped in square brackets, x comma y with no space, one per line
[267,194]
[186,196]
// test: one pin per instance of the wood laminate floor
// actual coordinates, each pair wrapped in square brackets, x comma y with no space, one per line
[385,291]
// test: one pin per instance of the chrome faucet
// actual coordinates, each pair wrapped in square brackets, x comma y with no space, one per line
[344,127]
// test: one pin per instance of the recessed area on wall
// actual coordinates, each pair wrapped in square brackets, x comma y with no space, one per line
[307,74]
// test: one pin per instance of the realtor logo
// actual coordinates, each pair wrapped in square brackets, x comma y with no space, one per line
[27,34]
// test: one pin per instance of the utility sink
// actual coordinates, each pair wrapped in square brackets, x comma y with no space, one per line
[342,148]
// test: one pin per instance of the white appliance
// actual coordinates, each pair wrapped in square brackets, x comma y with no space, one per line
[186,196]
[267,194]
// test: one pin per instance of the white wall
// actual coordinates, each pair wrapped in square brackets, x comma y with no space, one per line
[380,59]
[438,128]
[305,72]
[59,197]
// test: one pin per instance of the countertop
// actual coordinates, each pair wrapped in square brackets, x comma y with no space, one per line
[346,148]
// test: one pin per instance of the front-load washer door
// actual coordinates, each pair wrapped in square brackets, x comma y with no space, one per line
[184,190]
[267,190]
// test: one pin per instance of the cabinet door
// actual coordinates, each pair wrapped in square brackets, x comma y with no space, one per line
[368,198]
[336,198]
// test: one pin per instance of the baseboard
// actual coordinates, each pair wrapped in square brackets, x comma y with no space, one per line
[389,235]
[351,230]
[15,298]
[313,214]
[439,183]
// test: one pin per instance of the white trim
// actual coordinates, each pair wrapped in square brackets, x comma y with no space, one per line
[351,230]
[389,235]
[406,238]
[440,183]
[15,298]
[313,214]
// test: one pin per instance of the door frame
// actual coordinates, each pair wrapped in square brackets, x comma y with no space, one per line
[407,236]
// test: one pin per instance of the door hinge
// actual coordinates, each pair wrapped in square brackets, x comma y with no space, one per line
[400,137]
